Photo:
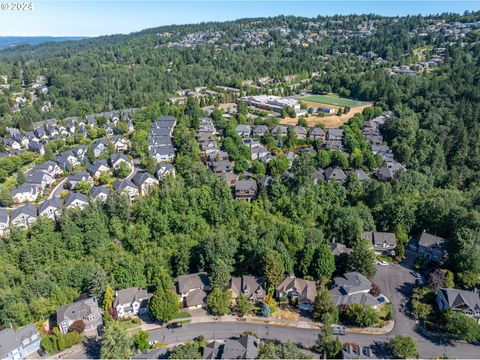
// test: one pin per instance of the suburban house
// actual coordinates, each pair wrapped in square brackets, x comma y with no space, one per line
[51,208]
[303,291]
[162,153]
[361,175]
[117,159]
[260,130]
[145,182]
[431,247]
[339,249]
[467,302]
[97,168]
[279,131]
[25,193]
[24,216]
[246,347]
[126,187]
[4,220]
[99,147]
[353,288]
[335,135]
[252,287]
[192,289]
[76,200]
[40,178]
[317,134]
[335,174]
[222,166]
[66,160]
[131,302]
[243,130]
[99,193]
[120,143]
[18,344]
[75,179]
[245,189]
[86,310]
[383,243]
[301,132]
[50,167]
[163,170]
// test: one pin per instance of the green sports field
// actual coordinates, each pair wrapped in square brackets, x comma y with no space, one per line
[332,100]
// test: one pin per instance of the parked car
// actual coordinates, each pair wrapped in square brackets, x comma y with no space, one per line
[383,263]
[174,325]
[339,330]
[416,274]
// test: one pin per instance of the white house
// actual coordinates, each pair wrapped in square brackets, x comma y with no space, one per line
[86,310]
[51,208]
[131,302]
[24,216]
[18,344]
[192,289]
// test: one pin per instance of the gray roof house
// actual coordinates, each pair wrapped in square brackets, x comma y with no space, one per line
[97,167]
[382,242]
[192,289]
[24,216]
[432,247]
[302,290]
[74,179]
[213,350]
[4,221]
[162,153]
[245,189]
[99,193]
[15,345]
[260,130]
[51,208]
[317,133]
[86,310]
[222,166]
[145,182]
[246,347]
[126,187]
[162,170]
[467,302]
[301,132]
[335,135]
[76,200]
[117,159]
[279,130]
[243,130]
[335,174]
[353,288]
[25,193]
[252,287]
[131,302]
[361,175]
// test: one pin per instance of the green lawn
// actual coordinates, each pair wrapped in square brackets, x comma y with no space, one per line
[332,100]
[182,315]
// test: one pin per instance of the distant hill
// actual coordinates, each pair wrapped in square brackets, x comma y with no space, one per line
[7,41]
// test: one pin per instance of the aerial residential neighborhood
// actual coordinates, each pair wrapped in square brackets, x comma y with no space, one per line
[281,180]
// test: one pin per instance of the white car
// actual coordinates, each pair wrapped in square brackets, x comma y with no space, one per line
[339,330]
[383,263]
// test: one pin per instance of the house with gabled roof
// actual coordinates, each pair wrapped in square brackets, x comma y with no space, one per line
[260,130]
[301,132]
[75,179]
[51,208]
[99,193]
[246,189]
[4,221]
[97,168]
[39,178]
[383,243]
[99,147]
[120,143]
[246,347]
[50,167]
[24,216]
[303,291]
[131,302]
[252,287]
[18,344]
[431,247]
[117,159]
[126,187]
[317,134]
[353,288]
[279,131]
[163,170]
[464,301]
[243,130]
[67,160]
[335,174]
[162,153]
[145,182]
[25,193]
[192,289]
[76,200]
[86,310]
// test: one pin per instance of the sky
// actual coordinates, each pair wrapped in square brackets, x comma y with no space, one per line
[94,18]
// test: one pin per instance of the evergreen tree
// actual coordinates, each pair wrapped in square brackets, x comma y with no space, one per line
[362,258]
[116,343]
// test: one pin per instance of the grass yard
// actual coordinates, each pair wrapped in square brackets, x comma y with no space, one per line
[332,100]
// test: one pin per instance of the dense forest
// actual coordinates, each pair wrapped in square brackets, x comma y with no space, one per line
[192,222]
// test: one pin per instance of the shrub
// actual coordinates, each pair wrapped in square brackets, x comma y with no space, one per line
[362,315]
[78,326]
[49,344]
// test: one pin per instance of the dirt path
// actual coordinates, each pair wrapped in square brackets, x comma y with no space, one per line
[331,121]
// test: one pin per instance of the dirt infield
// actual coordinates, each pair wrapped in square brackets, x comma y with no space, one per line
[330,121]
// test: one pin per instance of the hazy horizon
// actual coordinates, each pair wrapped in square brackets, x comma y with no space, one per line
[97,18]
